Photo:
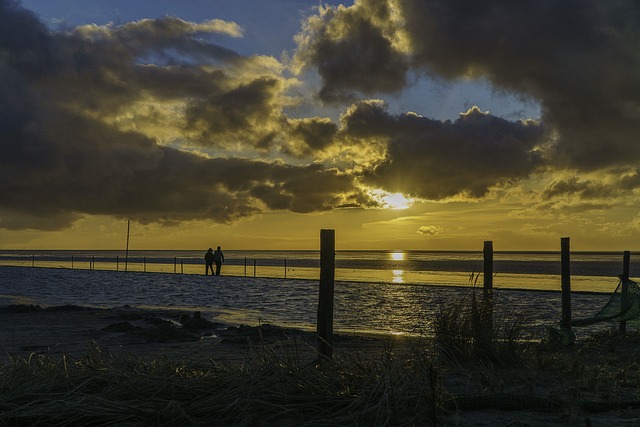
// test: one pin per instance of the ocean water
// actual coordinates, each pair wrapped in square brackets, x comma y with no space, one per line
[385,292]
[590,271]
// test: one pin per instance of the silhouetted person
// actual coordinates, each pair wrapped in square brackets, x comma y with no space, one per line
[218,258]
[208,259]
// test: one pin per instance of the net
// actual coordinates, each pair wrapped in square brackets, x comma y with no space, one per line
[623,305]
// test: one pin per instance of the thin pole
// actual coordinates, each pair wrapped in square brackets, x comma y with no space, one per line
[325,297]
[285,268]
[175,264]
[626,262]
[144,260]
[245,266]
[126,252]
[565,260]
[72,262]
[254,267]
[117,263]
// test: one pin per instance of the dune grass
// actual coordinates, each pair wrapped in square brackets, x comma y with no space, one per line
[102,389]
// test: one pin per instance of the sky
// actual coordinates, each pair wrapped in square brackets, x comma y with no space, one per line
[401,124]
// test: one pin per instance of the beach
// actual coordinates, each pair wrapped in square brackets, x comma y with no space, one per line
[531,383]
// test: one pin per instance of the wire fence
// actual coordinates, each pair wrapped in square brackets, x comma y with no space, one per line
[244,267]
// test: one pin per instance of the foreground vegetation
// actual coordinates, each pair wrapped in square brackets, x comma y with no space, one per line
[418,383]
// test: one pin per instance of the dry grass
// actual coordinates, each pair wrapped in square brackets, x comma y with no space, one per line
[102,389]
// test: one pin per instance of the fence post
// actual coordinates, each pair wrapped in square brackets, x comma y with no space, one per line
[254,268]
[565,260]
[626,261]
[72,262]
[325,298]
[285,268]
[33,260]
[488,289]
[144,264]
[245,266]
[175,264]
[117,263]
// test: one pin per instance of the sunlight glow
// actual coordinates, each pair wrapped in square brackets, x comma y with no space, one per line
[391,200]
[397,201]
[397,256]
[398,276]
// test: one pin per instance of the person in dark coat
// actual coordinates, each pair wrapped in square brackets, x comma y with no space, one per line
[218,258]
[208,259]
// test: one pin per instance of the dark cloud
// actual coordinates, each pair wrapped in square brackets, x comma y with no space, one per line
[309,136]
[352,53]
[584,189]
[578,59]
[97,170]
[64,153]
[247,112]
[433,159]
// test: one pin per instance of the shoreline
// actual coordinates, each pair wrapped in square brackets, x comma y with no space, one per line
[175,334]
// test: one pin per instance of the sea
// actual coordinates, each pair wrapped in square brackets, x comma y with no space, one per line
[387,292]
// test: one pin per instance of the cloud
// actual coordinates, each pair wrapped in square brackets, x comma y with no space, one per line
[351,51]
[434,159]
[156,121]
[578,59]
[80,111]
[429,230]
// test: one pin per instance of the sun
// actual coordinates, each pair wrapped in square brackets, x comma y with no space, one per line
[388,200]
[397,201]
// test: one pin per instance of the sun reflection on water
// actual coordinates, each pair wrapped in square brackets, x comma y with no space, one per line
[397,256]
[398,276]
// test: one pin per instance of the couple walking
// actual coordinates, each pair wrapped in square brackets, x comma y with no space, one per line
[211,257]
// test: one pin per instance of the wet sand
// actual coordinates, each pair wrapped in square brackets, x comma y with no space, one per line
[172,334]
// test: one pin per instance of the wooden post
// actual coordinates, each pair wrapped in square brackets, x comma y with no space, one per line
[254,267]
[72,262]
[175,264]
[33,260]
[285,268]
[488,289]
[93,262]
[117,263]
[245,266]
[325,300]
[565,259]
[626,262]
[144,264]
[181,267]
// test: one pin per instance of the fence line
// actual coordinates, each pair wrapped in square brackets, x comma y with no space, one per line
[142,265]
[455,273]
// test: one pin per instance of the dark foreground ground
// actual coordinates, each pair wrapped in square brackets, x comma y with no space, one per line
[373,380]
